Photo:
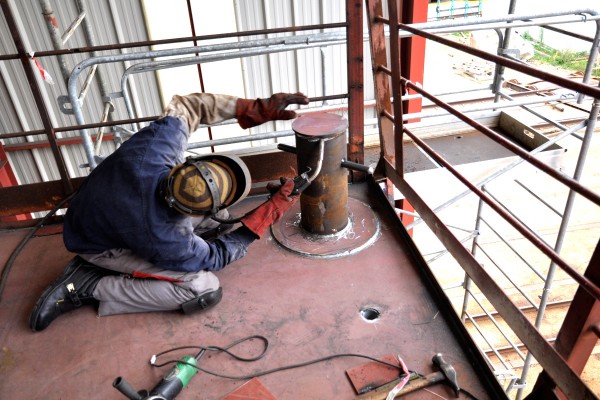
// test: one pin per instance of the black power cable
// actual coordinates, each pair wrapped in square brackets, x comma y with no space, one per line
[265,342]
[33,230]
[258,357]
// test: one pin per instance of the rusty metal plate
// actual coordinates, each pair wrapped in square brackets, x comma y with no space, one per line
[371,375]
[362,230]
[251,390]
[322,125]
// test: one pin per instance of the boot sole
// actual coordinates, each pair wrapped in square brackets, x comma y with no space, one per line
[71,268]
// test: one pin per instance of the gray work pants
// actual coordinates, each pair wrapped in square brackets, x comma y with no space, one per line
[145,287]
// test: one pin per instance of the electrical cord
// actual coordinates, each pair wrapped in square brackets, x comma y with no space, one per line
[261,354]
[19,248]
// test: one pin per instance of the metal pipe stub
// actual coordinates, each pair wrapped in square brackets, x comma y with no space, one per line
[321,143]
[326,222]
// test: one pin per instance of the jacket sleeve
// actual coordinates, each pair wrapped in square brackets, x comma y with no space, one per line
[201,108]
[228,248]
[195,254]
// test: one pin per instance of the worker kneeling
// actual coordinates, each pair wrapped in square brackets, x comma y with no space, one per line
[142,222]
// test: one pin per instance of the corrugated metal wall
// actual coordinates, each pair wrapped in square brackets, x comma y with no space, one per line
[316,72]
[113,21]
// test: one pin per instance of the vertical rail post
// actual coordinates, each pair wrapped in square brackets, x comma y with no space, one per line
[397,88]
[356,95]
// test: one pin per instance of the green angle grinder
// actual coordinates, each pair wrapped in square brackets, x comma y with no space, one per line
[169,386]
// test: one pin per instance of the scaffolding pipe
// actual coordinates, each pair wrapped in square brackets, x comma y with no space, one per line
[592,59]
[526,69]
[531,267]
[57,41]
[562,231]
[558,175]
[196,50]
[502,332]
[180,62]
[503,44]
[585,282]
[538,198]
[467,281]
[72,84]
[535,151]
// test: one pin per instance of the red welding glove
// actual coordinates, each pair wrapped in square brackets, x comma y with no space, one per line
[270,211]
[251,113]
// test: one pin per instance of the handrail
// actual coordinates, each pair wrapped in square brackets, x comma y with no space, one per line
[560,371]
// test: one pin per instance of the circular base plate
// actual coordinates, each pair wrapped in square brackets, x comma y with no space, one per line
[362,231]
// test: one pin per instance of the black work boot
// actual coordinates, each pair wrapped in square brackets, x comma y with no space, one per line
[203,302]
[72,289]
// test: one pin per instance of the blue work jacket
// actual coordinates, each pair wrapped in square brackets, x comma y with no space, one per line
[120,205]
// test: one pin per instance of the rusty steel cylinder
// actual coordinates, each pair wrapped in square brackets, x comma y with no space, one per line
[324,204]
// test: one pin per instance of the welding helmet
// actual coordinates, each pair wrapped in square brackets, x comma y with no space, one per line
[203,185]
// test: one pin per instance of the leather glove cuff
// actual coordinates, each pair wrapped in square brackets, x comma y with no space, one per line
[271,211]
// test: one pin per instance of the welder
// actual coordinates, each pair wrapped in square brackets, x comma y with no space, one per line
[144,224]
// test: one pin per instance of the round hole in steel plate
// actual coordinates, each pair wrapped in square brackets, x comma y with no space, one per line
[370,314]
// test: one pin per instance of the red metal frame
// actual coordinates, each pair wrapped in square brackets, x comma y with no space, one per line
[413,49]
[577,334]
[7,179]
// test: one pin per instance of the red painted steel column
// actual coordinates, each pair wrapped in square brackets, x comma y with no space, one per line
[413,49]
[356,95]
[8,178]
[577,337]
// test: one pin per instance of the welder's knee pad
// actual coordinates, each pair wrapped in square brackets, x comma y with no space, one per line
[199,282]
[203,302]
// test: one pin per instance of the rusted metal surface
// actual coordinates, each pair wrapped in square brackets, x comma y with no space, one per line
[34,197]
[77,127]
[270,166]
[381,76]
[44,196]
[324,204]
[576,339]
[307,308]
[373,374]
[413,49]
[397,90]
[251,390]
[361,231]
[577,336]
